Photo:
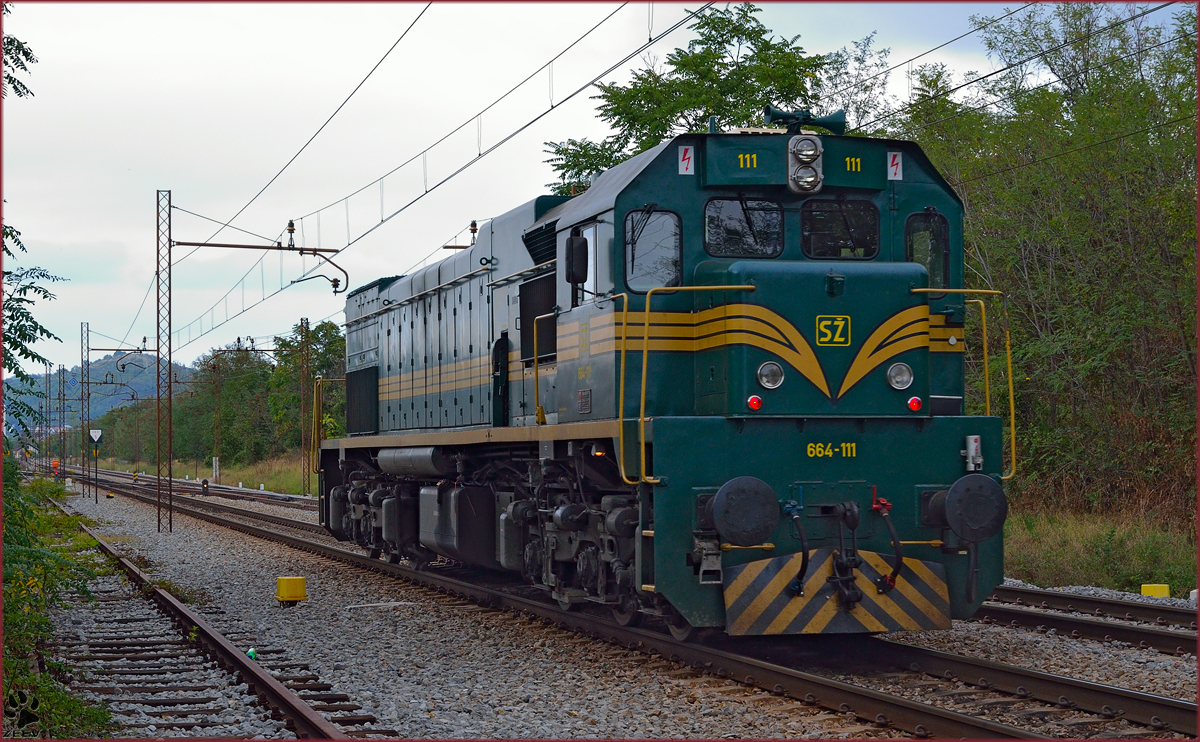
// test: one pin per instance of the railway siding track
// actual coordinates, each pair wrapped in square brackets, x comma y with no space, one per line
[1155,613]
[287,688]
[1169,641]
[198,630]
[1062,695]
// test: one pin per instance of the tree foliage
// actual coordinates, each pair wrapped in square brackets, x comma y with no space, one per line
[730,70]
[1078,169]
[23,287]
[17,58]
[239,404]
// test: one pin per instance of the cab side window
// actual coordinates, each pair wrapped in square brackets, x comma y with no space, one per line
[927,241]
[743,228]
[839,230]
[653,249]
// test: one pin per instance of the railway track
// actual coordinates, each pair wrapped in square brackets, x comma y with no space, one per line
[1155,613]
[192,487]
[161,665]
[983,683]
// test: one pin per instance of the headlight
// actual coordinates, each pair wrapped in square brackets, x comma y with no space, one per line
[806,178]
[900,376]
[805,149]
[770,375]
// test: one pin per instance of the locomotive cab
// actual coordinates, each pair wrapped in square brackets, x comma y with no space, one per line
[724,386]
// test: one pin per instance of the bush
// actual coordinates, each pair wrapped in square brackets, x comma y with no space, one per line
[42,567]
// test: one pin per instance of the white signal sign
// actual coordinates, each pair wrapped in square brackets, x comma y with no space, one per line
[96,435]
[895,166]
[687,160]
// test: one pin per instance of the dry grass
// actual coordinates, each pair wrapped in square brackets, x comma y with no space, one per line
[280,474]
[1118,551]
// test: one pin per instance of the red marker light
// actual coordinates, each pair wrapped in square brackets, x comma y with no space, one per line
[914,404]
[754,402]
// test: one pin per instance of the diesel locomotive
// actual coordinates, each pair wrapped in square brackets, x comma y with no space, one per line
[723,386]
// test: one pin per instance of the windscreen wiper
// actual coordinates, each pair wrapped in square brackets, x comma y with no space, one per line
[746,216]
[639,227]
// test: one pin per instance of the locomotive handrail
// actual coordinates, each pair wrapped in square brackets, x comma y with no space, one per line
[987,386]
[539,268]
[621,396]
[646,359]
[539,413]
[1012,407]
[314,457]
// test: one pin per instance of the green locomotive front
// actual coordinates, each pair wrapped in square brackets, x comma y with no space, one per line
[723,386]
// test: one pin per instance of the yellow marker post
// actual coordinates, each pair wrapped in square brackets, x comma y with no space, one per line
[290,590]
[1157,591]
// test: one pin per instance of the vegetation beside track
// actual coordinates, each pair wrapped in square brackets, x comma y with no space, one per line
[46,561]
[1118,552]
[277,473]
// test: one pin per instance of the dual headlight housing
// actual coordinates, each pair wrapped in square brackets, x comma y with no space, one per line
[805,160]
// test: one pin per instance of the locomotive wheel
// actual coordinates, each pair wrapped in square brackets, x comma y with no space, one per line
[375,553]
[680,628]
[393,558]
[567,605]
[627,613]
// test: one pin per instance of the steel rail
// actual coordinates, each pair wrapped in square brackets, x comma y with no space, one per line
[308,723]
[227,491]
[870,705]
[1169,641]
[1159,712]
[279,520]
[1127,610]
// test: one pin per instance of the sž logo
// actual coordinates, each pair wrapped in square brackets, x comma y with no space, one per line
[833,330]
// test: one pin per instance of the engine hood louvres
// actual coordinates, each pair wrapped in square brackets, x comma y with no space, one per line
[541,243]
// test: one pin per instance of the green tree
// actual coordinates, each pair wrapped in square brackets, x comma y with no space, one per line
[730,70]
[327,359]
[1078,170]
[17,58]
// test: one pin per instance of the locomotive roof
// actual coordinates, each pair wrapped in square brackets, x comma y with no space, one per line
[603,194]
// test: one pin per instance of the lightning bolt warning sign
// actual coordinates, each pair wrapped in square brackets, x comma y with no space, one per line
[687,160]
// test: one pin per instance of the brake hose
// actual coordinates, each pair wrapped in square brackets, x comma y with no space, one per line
[792,508]
[887,582]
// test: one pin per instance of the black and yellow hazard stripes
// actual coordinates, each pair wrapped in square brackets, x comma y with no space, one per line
[760,597]
[945,337]
[904,330]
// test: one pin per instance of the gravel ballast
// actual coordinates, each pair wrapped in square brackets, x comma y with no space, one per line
[427,666]
[1142,670]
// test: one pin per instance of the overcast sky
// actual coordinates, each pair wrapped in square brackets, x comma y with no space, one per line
[211,100]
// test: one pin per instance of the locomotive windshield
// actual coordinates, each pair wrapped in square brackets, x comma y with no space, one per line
[840,230]
[927,241]
[653,249]
[742,228]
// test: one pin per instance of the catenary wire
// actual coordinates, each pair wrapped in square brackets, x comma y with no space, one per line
[466,123]
[1011,96]
[318,131]
[485,153]
[931,51]
[218,221]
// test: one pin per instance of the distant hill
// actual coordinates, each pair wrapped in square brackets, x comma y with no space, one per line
[138,374]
